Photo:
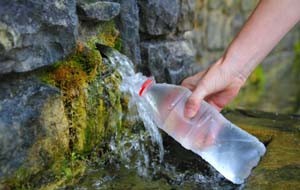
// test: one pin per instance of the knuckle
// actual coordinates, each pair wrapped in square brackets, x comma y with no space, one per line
[193,103]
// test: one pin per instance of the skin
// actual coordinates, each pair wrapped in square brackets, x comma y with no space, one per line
[221,82]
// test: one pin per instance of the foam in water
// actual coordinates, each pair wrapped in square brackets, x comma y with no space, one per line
[232,151]
[131,83]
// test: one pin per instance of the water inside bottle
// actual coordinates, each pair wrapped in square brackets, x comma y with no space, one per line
[232,151]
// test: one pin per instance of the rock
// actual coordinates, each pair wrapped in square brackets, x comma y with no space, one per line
[35,33]
[248,5]
[214,4]
[128,24]
[237,23]
[187,15]
[209,58]
[158,17]
[215,30]
[33,127]
[98,11]
[168,61]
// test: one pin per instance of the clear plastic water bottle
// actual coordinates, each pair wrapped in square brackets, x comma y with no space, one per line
[230,150]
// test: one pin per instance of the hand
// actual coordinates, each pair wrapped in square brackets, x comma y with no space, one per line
[217,85]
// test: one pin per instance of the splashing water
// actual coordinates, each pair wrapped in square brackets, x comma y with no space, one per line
[131,83]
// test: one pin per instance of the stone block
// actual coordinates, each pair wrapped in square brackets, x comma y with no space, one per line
[128,23]
[158,17]
[168,61]
[215,30]
[98,11]
[248,5]
[214,4]
[187,15]
[35,33]
[33,127]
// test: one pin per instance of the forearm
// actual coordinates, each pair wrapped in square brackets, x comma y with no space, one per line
[269,22]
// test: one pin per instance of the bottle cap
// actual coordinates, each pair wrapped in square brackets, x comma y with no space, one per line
[145,86]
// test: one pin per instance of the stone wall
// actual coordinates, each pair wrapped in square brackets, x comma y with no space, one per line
[180,37]
[217,22]
[153,37]
[215,25]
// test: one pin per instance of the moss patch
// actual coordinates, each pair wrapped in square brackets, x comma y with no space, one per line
[251,93]
[92,105]
[296,74]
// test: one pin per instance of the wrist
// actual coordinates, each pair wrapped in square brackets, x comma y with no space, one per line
[239,64]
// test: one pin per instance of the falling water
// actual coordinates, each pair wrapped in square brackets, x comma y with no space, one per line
[135,158]
[131,83]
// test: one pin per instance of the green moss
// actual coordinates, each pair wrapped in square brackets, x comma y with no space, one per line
[254,88]
[296,74]
[92,105]
[107,35]
[296,66]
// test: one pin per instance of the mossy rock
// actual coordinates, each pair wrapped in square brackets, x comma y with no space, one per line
[86,111]
[35,136]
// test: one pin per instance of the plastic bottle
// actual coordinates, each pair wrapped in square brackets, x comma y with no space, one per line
[230,150]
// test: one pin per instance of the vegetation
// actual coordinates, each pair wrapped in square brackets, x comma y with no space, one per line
[253,90]
[296,73]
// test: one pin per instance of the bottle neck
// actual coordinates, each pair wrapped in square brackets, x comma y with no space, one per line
[145,86]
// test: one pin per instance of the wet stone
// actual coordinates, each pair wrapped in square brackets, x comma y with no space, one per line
[128,23]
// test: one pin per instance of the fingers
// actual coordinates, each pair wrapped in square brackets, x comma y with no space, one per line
[209,83]
[193,103]
[192,82]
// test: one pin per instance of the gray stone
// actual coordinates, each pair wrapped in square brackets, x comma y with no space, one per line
[32,124]
[98,11]
[215,30]
[128,24]
[248,5]
[158,17]
[168,61]
[214,4]
[209,58]
[187,15]
[35,33]
[237,23]
[195,38]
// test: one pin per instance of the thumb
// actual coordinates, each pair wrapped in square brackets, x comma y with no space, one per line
[193,103]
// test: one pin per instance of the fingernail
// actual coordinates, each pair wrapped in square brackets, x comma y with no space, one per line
[189,113]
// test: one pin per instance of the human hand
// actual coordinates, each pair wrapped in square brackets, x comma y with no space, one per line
[217,85]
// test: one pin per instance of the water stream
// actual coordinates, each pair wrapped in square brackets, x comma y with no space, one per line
[131,83]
